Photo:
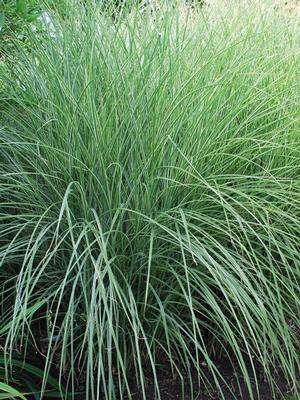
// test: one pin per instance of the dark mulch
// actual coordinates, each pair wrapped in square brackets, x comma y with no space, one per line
[234,386]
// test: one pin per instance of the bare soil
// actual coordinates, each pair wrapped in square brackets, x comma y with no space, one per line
[234,386]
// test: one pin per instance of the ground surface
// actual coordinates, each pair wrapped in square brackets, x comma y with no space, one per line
[171,388]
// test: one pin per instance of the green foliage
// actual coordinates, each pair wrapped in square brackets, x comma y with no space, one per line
[149,195]
[15,17]
[18,12]
[21,6]
[20,378]
[2,19]
[25,380]
[8,392]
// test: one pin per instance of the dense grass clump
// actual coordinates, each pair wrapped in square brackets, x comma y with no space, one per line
[150,193]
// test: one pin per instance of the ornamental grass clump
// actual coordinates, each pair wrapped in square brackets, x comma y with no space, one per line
[150,196]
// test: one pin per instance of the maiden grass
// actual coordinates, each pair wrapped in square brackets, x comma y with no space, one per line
[150,194]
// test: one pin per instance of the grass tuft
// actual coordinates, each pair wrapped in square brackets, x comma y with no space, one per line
[149,195]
